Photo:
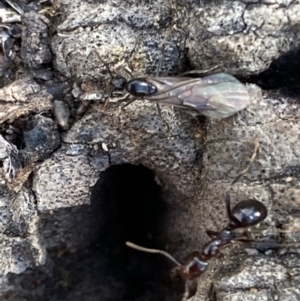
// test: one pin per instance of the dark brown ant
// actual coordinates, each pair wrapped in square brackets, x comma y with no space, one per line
[217,96]
[244,214]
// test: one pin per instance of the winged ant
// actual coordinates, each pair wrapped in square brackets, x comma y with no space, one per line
[217,96]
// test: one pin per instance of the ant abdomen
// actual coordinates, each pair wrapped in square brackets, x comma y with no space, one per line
[193,266]
[247,213]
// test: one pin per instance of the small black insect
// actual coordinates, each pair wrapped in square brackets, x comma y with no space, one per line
[216,96]
[244,214]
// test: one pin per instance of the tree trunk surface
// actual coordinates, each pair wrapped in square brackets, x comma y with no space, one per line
[78,180]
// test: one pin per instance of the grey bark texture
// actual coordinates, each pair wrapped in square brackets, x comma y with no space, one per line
[51,212]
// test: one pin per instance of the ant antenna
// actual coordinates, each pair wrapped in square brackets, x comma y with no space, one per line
[155,251]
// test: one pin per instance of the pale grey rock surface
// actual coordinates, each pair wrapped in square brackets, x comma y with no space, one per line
[59,208]
[242,37]
[35,50]
[21,241]
[23,96]
[273,179]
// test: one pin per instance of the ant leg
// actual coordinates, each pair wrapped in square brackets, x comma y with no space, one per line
[128,72]
[227,205]
[211,233]
[107,99]
[109,71]
[190,287]
[247,236]
[204,72]
[245,240]
[157,72]
[120,108]
[158,109]
[120,99]
[127,103]
[160,115]
[105,103]
[186,291]
[100,59]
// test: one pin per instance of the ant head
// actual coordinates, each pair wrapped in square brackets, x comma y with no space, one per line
[247,213]
[118,82]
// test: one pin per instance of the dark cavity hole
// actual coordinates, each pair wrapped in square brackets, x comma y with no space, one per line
[126,205]
[132,209]
[283,74]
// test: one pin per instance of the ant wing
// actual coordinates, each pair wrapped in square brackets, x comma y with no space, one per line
[174,91]
[216,96]
[223,92]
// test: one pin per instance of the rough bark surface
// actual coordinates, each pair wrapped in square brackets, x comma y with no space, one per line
[242,36]
[50,218]
[272,179]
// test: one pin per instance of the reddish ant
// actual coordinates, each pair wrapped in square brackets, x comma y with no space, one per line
[244,214]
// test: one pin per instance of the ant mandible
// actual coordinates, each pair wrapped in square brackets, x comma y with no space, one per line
[244,214]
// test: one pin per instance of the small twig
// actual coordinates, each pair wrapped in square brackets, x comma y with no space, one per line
[253,157]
